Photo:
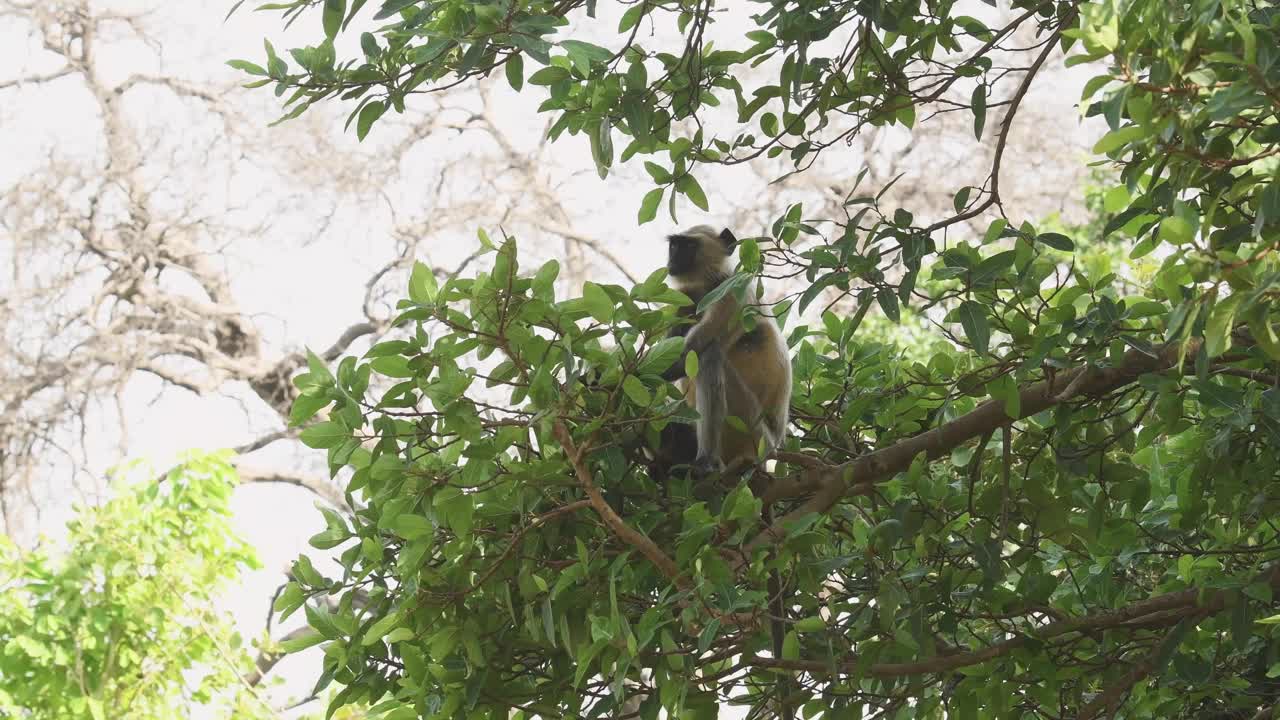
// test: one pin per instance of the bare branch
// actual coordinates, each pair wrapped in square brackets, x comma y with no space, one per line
[327,491]
[270,656]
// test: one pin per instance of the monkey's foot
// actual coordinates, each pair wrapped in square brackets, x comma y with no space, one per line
[706,466]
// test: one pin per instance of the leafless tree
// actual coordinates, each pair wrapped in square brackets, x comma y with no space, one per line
[123,259]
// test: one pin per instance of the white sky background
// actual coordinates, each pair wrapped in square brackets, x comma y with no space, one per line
[304,281]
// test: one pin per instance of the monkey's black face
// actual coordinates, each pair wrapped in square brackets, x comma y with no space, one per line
[682,255]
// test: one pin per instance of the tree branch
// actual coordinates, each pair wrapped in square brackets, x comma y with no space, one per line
[1107,701]
[858,475]
[626,533]
[324,490]
[1172,606]
[347,337]
[268,658]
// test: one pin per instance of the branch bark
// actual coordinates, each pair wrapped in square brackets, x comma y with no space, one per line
[268,658]
[620,528]
[859,476]
[326,491]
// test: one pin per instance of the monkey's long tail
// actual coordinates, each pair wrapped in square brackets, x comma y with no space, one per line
[778,631]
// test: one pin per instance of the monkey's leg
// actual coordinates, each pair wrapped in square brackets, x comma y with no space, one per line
[711,407]
[746,405]
[677,445]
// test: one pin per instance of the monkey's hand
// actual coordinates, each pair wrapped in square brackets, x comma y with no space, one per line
[718,324]
[697,339]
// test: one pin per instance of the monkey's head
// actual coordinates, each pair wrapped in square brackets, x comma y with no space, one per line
[700,254]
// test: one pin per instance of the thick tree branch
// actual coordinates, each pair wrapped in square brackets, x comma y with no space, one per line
[348,336]
[860,474]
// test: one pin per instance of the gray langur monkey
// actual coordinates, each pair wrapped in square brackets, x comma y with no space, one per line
[742,373]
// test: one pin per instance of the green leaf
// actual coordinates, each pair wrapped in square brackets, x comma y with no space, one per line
[319,372]
[791,647]
[302,642]
[1057,241]
[691,364]
[330,538]
[1171,641]
[979,102]
[334,11]
[380,628]
[422,284]
[549,75]
[994,230]
[369,45]
[369,114]
[393,366]
[1118,138]
[305,407]
[548,619]
[888,301]
[769,124]
[400,634]
[1177,230]
[973,318]
[657,172]
[411,527]
[247,66]
[598,302]
[514,68]
[993,267]
[631,17]
[324,435]
[636,391]
[583,54]
[289,600]
[661,356]
[689,186]
[391,7]
[1217,330]
[811,624]
[649,206]
[602,146]
[544,280]
[1122,219]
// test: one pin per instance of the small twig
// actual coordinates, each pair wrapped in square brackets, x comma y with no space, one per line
[515,543]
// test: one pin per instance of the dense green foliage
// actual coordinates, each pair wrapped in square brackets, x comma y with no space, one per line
[1066,509]
[123,625]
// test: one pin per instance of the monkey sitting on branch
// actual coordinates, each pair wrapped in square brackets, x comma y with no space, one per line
[741,373]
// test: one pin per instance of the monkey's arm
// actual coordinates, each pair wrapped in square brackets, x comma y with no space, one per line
[718,324]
